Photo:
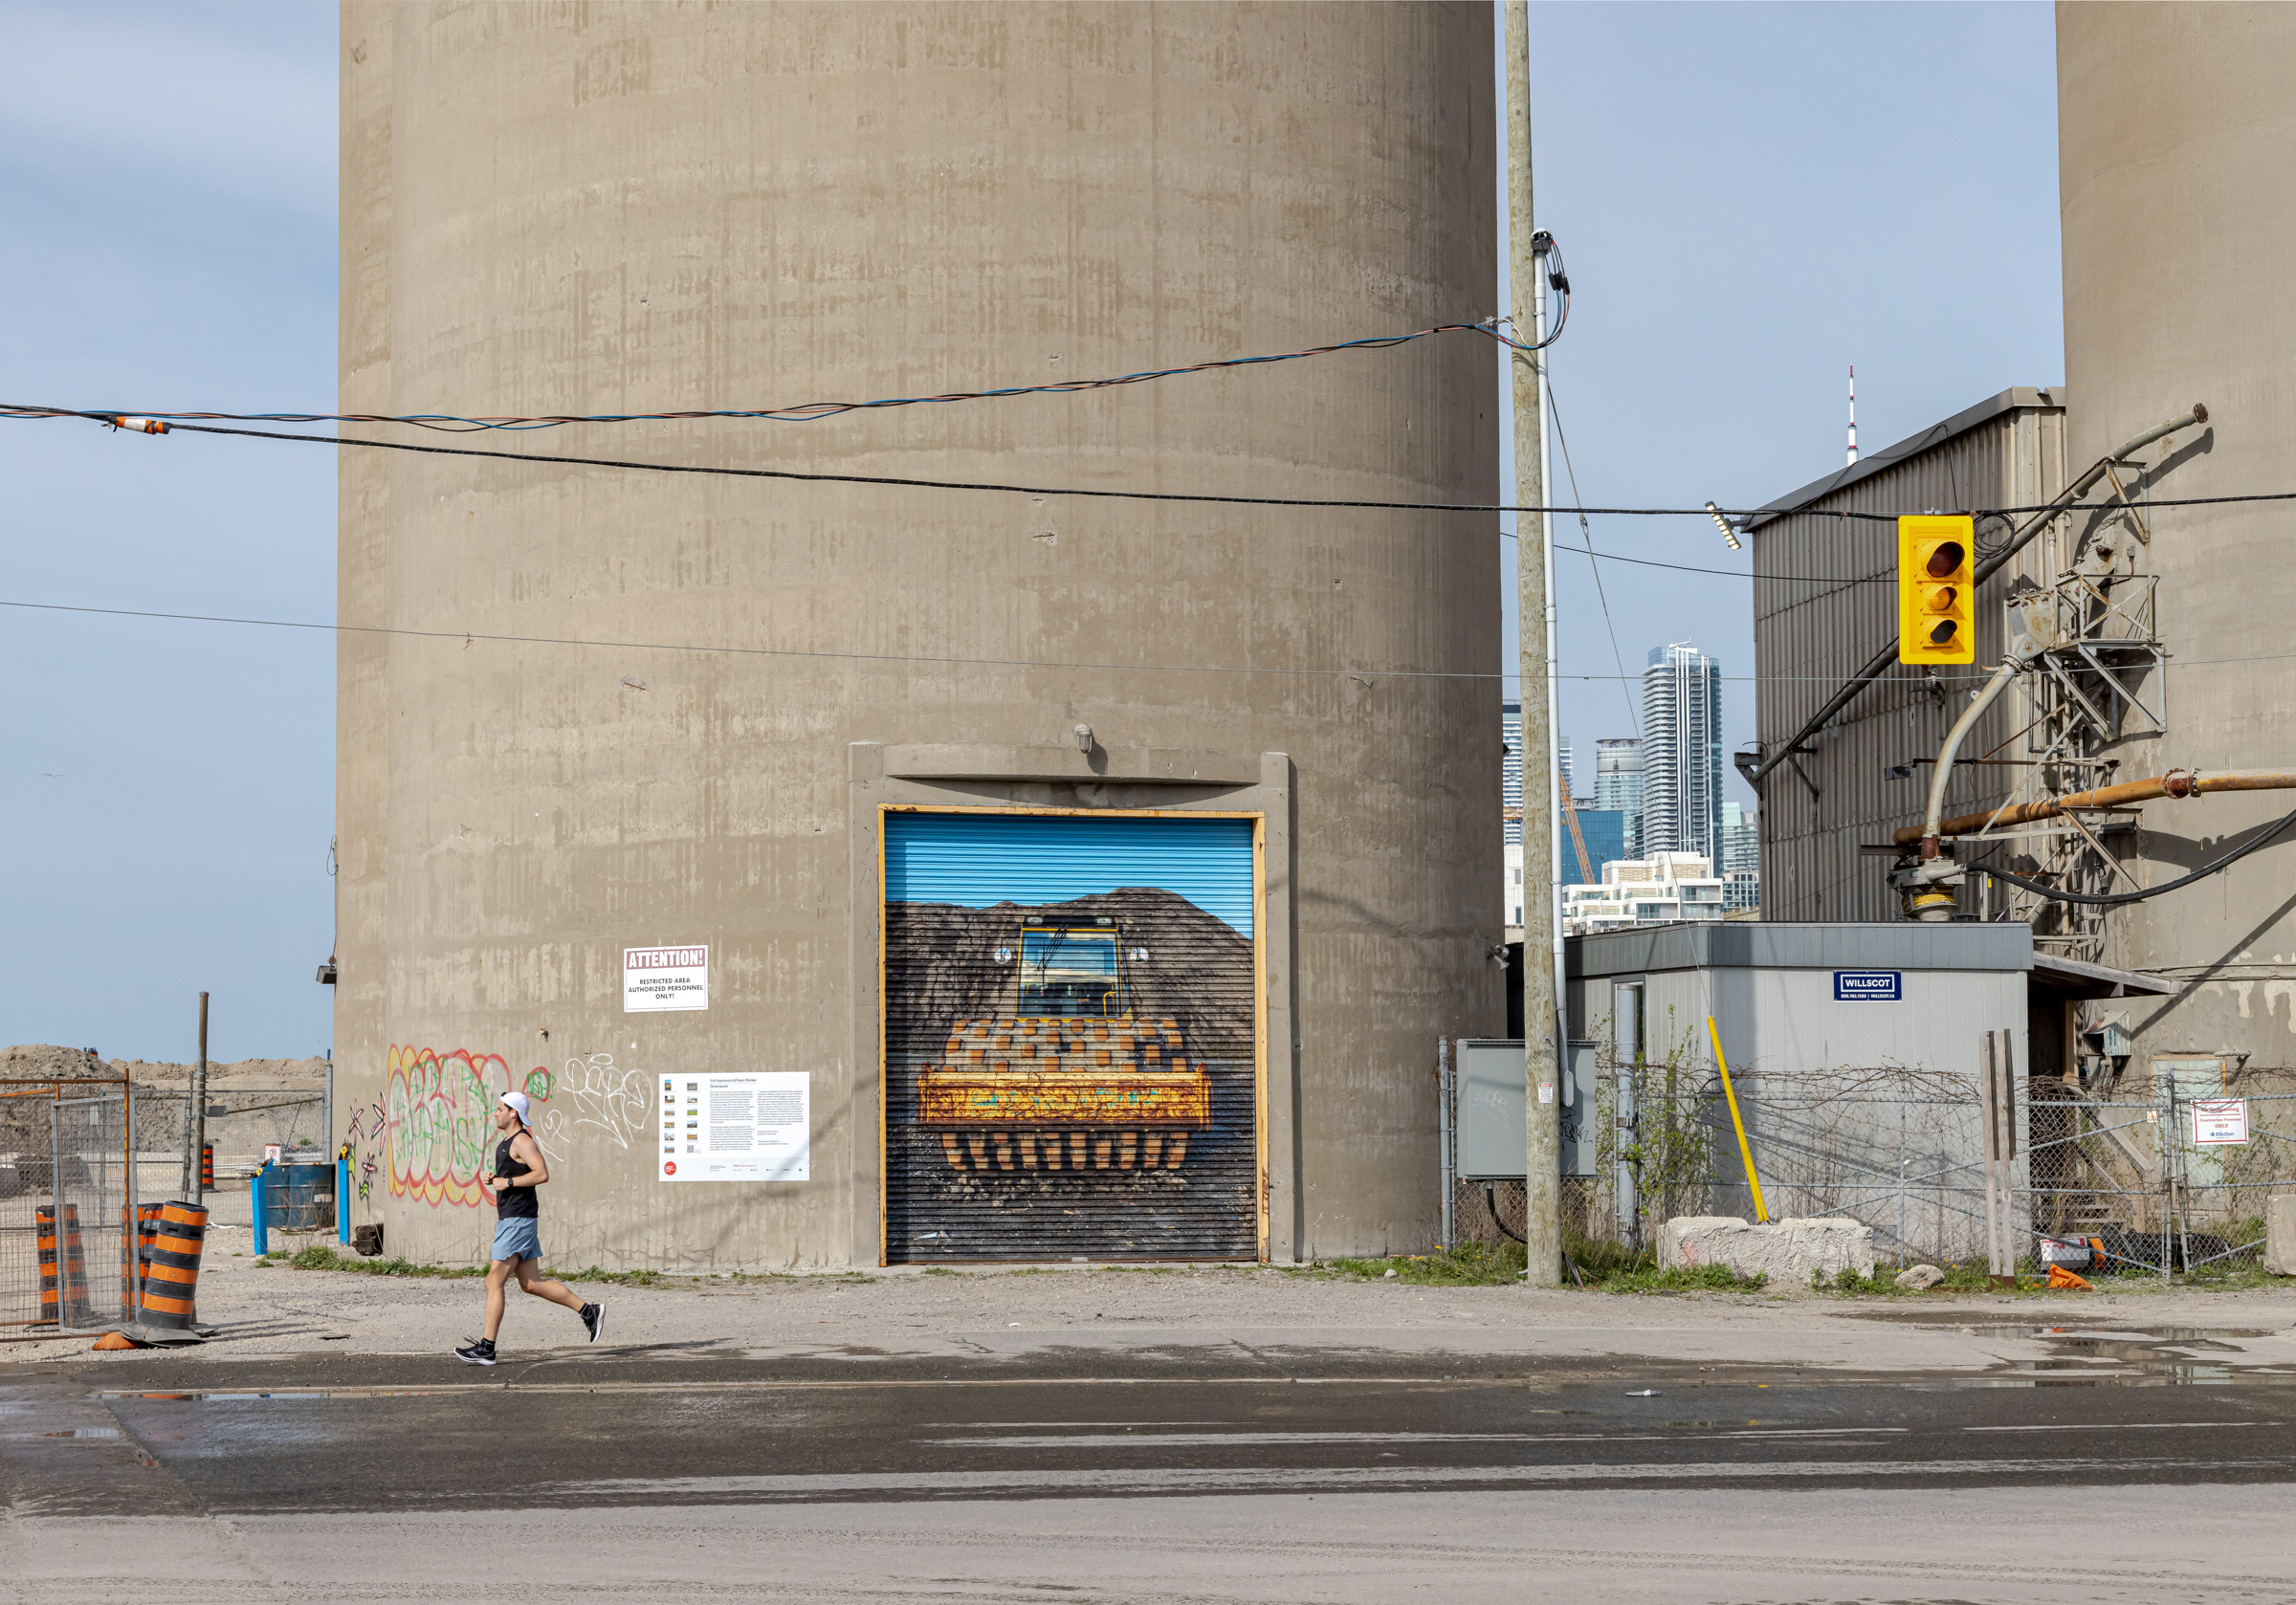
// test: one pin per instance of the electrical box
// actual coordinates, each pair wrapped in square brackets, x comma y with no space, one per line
[1492,1107]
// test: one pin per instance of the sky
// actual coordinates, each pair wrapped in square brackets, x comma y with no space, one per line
[1750,199]
[977,861]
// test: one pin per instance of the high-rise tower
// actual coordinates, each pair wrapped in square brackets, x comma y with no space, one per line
[1682,752]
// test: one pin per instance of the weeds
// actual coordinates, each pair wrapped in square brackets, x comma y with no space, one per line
[1471,1264]
[1682,1279]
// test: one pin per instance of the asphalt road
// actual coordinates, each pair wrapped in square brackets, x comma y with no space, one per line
[1207,1474]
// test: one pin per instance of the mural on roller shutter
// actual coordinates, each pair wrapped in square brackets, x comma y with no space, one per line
[1071,1038]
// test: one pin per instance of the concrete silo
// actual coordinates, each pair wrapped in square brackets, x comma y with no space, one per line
[1077,878]
[2178,189]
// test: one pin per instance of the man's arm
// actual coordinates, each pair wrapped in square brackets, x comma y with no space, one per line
[525,1148]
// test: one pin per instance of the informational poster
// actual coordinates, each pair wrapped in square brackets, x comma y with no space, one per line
[2219,1122]
[757,1127]
[654,978]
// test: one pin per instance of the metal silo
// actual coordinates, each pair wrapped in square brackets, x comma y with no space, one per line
[2178,188]
[756,826]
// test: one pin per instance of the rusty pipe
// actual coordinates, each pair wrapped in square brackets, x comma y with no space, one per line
[2176,782]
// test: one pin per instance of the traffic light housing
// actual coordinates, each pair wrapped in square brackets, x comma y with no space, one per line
[1936,591]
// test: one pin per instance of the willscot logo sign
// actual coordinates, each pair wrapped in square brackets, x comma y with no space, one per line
[654,978]
[1866,986]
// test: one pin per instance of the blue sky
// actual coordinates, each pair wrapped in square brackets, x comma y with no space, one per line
[976,861]
[1751,198]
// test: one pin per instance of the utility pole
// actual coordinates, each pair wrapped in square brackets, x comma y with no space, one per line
[1542,1047]
[196,1122]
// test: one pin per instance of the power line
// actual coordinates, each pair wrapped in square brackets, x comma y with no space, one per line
[1344,503]
[1587,535]
[808,412]
[944,660]
[899,482]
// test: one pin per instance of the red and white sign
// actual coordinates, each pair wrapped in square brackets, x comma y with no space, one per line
[665,977]
[2219,1121]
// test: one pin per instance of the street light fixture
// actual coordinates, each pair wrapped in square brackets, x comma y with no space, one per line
[1728,532]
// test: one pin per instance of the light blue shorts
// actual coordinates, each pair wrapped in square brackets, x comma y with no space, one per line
[520,1238]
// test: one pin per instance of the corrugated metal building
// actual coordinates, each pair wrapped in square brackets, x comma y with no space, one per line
[1824,603]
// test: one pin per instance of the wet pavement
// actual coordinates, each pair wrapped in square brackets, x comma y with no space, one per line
[1167,1469]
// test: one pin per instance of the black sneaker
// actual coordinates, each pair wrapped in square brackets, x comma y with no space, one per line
[593,1317]
[481,1353]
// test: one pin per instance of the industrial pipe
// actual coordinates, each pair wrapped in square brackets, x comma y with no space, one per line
[2176,782]
[1977,703]
[2019,538]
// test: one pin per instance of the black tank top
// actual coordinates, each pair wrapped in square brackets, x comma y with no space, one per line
[516,1204]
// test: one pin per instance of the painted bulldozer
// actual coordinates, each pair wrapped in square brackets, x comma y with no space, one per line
[1070,1081]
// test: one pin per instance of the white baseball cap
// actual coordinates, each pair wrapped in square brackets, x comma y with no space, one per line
[519,1105]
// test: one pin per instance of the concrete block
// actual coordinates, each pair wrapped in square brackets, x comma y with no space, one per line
[1784,1250]
[2280,1234]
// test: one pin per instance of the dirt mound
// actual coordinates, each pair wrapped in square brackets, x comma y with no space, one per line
[941,966]
[43,1061]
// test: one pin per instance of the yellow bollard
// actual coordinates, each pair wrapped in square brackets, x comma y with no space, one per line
[1762,1211]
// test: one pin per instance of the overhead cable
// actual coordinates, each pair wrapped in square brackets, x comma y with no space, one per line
[2116,899]
[808,412]
[918,657]
[1701,511]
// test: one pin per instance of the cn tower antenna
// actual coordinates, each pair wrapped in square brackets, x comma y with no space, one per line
[1853,415]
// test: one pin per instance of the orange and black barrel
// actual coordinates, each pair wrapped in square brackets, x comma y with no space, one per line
[135,1246]
[171,1266]
[76,1311]
[51,1290]
[206,1167]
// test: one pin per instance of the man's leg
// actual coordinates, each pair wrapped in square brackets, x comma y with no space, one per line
[497,1277]
[530,1280]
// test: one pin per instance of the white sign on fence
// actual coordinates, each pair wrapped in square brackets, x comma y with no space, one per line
[2219,1121]
[665,977]
[738,1127]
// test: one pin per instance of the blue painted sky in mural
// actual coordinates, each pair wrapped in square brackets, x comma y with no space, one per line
[976,860]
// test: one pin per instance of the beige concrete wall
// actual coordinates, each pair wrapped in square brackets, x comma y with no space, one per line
[604,207]
[2178,187]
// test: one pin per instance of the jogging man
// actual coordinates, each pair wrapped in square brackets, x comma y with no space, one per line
[517,1170]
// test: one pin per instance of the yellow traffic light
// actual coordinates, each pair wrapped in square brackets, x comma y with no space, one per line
[1936,591]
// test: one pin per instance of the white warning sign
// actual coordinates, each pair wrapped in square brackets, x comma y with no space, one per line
[736,1128]
[665,977]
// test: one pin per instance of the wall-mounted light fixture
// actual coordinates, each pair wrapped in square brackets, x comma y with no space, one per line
[1729,530]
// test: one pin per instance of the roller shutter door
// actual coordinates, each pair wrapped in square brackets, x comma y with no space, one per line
[1070,1036]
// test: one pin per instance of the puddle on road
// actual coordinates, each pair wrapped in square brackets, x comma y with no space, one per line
[2092,1356]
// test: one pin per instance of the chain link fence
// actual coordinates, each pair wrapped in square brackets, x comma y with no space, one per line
[79,1157]
[2164,1169]
[70,1161]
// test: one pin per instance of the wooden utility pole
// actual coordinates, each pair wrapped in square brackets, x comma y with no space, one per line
[196,1116]
[1542,1047]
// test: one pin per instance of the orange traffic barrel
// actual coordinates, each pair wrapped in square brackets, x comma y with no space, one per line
[63,1272]
[171,1267]
[76,1271]
[51,1291]
[135,1243]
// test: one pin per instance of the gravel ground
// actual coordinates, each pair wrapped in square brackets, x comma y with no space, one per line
[266,1310]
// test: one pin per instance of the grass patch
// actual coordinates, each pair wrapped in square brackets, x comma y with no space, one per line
[1682,1279]
[1471,1264]
[321,1257]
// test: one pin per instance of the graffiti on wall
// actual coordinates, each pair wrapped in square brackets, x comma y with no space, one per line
[596,1093]
[438,1121]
